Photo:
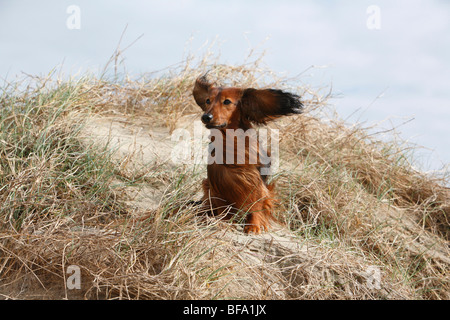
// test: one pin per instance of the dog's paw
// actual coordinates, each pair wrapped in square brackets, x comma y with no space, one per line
[251,228]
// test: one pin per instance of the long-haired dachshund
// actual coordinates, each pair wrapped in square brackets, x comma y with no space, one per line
[239,188]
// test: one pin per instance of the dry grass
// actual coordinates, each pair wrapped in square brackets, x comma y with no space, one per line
[347,201]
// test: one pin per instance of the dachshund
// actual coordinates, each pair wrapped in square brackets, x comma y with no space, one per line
[239,188]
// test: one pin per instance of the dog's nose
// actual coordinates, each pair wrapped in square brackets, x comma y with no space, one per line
[207,117]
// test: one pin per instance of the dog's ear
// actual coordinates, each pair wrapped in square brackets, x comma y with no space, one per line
[261,106]
[201,90]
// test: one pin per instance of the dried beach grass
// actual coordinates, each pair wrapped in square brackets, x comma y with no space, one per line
[350,205]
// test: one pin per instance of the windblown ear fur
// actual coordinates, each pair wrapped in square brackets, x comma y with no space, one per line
[200,92]
[261,106]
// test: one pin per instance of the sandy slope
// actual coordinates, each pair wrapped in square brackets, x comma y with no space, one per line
[277,263]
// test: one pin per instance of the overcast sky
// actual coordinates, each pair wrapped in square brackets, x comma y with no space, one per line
[397,49]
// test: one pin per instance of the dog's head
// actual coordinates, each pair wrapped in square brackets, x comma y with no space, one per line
[236,108]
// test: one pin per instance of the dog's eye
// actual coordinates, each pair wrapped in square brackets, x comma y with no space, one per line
[227,102]
[208,101]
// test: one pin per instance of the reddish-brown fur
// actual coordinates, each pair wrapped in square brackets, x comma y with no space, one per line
[239,187]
